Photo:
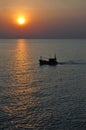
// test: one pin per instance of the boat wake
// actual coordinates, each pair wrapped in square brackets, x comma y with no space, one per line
[72,62]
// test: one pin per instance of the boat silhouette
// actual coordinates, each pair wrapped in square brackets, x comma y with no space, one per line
[48,61]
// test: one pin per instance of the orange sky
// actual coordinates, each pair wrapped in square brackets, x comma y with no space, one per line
[44,19]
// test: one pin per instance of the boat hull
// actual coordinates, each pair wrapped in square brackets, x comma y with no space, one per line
[45,62]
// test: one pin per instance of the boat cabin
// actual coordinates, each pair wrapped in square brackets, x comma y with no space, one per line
[50,61]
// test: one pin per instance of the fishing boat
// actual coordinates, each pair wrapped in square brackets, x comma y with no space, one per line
[48,61]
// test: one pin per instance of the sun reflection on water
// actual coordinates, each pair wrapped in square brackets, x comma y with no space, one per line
[23,72]
[21,56]
[23,89]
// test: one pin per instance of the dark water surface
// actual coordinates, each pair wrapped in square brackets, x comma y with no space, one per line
[34,97]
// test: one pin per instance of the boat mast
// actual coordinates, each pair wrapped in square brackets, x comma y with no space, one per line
[55,56]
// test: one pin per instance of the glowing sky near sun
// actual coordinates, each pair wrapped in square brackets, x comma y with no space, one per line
[43,18]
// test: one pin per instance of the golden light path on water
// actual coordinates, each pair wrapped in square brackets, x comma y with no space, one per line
[22,88]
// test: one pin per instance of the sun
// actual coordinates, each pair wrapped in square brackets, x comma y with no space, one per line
[21,21]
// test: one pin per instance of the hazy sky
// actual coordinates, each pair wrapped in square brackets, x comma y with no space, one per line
[45,18]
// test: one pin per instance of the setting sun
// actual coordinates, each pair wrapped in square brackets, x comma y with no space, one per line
[21,20]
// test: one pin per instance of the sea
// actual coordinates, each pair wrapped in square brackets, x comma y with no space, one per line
[34,97]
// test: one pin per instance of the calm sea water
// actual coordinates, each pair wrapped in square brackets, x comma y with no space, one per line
[34,97]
